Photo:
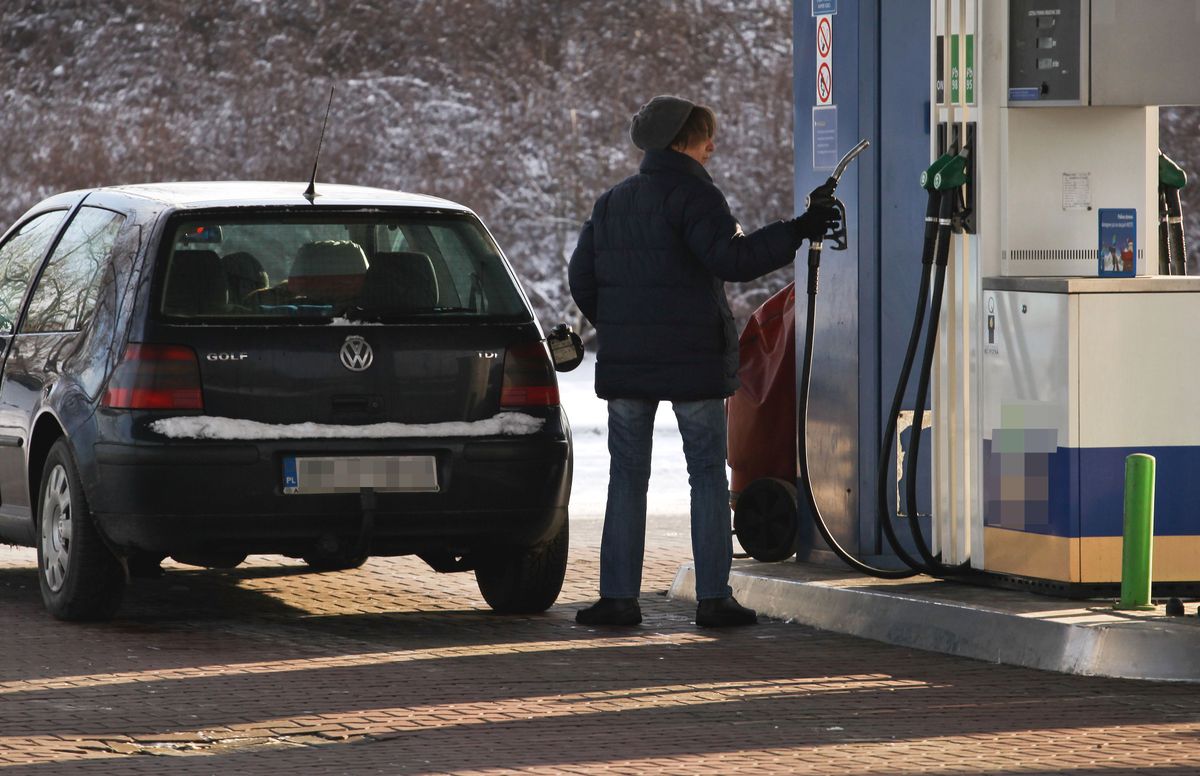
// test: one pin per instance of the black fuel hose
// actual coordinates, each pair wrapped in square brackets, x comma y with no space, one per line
[1164,237]
[1176,243]
[935,254]
[814,262]
[825,195]
[882,475]
[933,563]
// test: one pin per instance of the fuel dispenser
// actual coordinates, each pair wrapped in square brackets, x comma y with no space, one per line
[1068,348]
[1060,336]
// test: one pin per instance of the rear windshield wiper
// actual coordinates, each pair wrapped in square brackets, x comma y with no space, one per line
[358,314]
[370,315]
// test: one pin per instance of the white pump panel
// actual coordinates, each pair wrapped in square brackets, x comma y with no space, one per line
[1063,164]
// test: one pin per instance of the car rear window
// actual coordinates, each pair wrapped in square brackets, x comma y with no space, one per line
[385,268]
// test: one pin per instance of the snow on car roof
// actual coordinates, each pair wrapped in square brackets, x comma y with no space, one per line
[197,194]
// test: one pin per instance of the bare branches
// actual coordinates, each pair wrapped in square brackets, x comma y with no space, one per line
[518,108]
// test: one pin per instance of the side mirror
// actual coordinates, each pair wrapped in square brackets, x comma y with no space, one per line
[565,348]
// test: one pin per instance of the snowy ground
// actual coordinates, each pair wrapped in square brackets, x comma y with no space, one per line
[667,501]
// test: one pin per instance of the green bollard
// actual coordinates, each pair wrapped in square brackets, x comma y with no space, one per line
[1138,545]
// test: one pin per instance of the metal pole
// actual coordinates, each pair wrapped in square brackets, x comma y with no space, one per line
[1138,545]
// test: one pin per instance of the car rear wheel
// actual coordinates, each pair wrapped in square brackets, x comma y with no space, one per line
[79,578]
[525,581]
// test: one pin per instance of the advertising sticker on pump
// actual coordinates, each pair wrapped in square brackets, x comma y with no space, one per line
[1117,253]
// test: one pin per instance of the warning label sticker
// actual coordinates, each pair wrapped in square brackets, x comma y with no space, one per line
[824,137]
[824,85]
[1077,191]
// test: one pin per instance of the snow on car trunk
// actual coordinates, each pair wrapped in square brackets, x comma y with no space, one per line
[207,427]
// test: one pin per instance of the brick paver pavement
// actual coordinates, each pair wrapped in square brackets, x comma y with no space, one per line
[395,669]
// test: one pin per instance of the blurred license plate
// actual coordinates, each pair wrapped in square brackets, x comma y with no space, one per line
[394,473]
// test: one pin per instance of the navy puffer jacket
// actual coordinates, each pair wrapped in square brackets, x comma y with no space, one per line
[649,274]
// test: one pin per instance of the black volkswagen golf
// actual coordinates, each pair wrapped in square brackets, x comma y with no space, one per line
[208,370]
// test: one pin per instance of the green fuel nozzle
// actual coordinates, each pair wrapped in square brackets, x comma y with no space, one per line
[932,206]
[927,177]
[948,182]
[1172,242]
[952,175]
[1170,174]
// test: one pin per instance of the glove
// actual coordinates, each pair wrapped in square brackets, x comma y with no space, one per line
[815,223]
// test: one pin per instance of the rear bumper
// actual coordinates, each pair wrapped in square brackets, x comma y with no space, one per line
[178,496]
[385,533]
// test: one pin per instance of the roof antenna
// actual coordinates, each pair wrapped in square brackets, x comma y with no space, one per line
[311,192]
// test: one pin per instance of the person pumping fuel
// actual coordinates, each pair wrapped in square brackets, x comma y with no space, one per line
[649,274]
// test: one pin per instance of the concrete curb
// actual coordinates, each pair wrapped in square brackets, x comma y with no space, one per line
[1144,649]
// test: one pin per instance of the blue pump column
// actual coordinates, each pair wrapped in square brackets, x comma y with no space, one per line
[880,91]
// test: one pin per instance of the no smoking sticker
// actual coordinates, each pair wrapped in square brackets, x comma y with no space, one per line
[824,36]
[824,86]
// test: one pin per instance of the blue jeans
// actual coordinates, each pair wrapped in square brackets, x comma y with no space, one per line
[630,433]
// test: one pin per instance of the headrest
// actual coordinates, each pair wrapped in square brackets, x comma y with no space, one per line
[245,273]
[401,282]
[329,257]
[195,284]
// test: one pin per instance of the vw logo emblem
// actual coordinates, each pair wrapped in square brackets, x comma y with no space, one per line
[356,354]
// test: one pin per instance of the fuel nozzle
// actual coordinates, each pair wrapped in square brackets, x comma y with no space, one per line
[932,205]
[953,174]
[930,174]
[949,181]
[1172,249]
[825,195]
[1169,173]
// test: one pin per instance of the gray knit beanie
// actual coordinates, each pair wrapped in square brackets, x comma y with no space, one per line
[657,122]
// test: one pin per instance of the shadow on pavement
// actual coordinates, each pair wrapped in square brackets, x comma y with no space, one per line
[379,670]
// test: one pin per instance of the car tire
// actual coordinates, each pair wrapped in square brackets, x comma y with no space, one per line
[335,561]
[79,577]
[527,581]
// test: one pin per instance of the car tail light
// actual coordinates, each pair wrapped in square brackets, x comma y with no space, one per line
[529,379]
[155,377]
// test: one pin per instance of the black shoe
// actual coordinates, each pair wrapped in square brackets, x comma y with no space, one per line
[611,611]
[723,613]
